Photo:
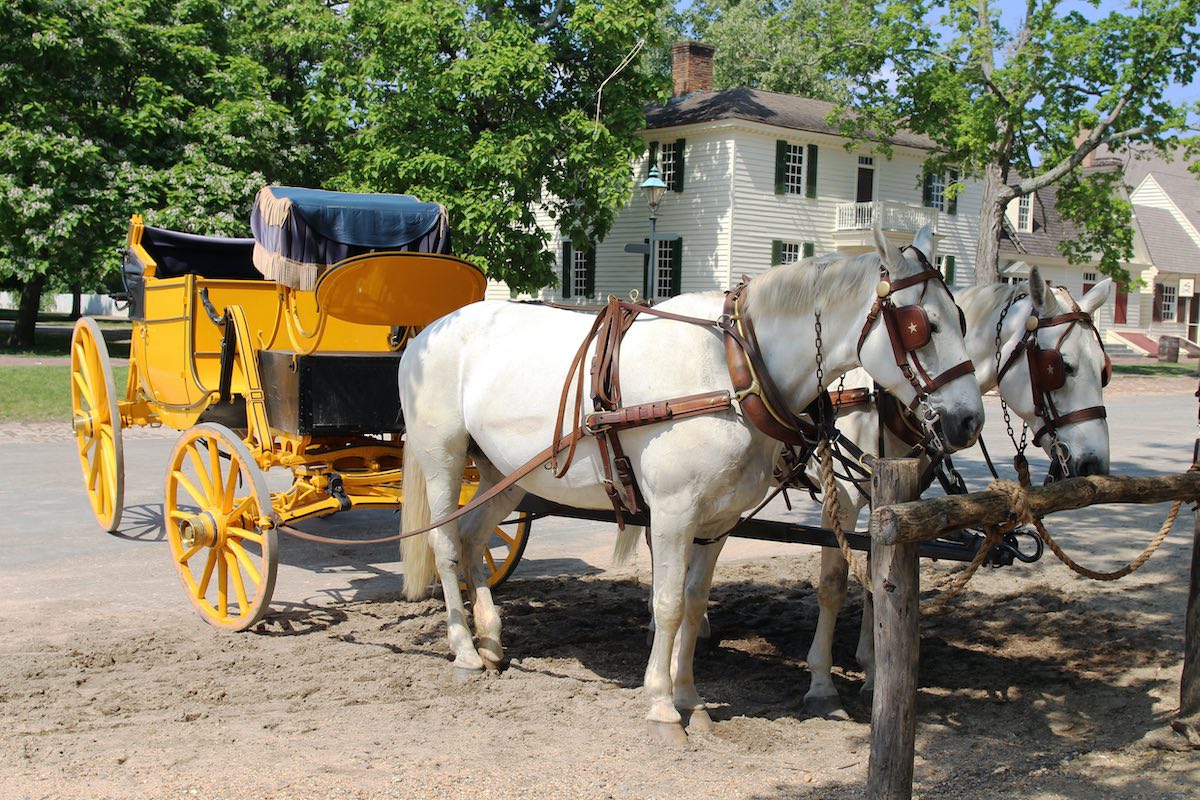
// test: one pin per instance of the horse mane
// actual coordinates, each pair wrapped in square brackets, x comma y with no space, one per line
[980,302]
[816,282]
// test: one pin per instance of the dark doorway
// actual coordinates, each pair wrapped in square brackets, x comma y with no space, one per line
[866,185]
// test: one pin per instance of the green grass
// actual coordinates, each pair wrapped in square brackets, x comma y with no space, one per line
[53,338]
[1156,368]
[41,393]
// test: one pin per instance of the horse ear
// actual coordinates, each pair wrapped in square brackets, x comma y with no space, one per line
[1096,296]
[923,241]
[889,253]
[1039,292]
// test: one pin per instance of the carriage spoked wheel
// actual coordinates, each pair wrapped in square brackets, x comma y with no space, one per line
[505,547]
[96,419]
[216,513]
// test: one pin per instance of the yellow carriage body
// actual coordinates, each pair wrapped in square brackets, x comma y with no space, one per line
[221,354]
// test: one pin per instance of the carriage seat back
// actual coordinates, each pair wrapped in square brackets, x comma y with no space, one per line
[176,254]
[398,288]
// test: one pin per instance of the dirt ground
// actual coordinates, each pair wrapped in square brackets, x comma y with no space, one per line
[1034,684]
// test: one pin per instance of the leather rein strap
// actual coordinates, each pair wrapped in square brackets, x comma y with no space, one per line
[1043,403]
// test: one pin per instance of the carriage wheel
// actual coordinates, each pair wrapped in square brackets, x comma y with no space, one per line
[215,512]
[505,548]
[96,419]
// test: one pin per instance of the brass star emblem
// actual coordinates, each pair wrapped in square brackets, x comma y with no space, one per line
[1049,369]
[912,327]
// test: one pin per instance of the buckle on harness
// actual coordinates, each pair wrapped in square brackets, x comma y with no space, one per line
[752,389]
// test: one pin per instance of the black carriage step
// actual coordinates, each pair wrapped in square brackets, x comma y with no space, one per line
[326,394]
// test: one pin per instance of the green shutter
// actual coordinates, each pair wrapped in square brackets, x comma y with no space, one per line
[952,203]
[566,269]
[590,273]
[948,263]
[678,183]
[676,267]
[927,190]
[809,249]
[652,161]
[810,172]
[776,252]
[780,165]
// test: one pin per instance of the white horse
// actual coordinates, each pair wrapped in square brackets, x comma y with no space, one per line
[486,380]
[1084,443]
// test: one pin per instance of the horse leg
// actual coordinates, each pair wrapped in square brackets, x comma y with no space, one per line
[865,654]
[446,543]
[477,529]
[670,536]
[701,564]
[822,698]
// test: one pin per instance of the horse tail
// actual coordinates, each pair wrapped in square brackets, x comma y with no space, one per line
[415,551]
[626,546]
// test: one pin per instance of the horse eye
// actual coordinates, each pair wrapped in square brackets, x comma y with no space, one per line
[1069,369]
[933,327]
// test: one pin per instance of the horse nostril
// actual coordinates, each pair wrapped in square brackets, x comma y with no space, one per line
[1090,465]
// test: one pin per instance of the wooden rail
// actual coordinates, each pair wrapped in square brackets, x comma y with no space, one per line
[896,531]
[928,519]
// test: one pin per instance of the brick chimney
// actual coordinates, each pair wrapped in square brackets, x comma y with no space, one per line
[692,67]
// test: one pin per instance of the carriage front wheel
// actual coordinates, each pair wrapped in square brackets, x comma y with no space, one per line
[217,514]
[96,419]
[505,548]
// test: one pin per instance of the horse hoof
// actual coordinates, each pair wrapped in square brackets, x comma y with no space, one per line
[825,708]
[697,721]
[496,666]
[464,675]
[668,733]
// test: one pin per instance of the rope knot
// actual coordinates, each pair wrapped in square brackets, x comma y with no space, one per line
[1018,499]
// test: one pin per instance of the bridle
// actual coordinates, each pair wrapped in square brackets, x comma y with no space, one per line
[1047,372]
[908,330]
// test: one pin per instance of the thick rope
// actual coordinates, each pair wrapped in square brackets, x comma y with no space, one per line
[1019,500]
[833,509]
[994,535]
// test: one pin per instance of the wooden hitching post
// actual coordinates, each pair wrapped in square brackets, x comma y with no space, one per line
[896,587]
[1189,684]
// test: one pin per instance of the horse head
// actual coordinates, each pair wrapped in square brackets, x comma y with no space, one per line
[913,346]
[1057,377]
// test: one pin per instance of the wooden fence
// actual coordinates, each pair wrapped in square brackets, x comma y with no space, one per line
[898,526]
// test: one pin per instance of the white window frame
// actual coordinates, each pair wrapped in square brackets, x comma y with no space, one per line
[794,173]
[1025,214]
[790,252]
[661,285]
[937,191]
[579,259]
[666,164]
[1170,294]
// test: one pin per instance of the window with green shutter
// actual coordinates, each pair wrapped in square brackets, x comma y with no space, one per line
[568,262]
[809,249]
[670,164]
[795,169]
[579,270]
[945,265]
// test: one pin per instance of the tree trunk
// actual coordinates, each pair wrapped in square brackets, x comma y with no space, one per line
[996,195]
[27,313]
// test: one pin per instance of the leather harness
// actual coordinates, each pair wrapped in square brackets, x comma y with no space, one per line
[1047,371]
[758,396]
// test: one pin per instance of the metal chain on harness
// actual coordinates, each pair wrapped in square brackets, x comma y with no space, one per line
[831,502]
[1003,405]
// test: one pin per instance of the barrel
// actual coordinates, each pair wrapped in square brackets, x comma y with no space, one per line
[1168,348]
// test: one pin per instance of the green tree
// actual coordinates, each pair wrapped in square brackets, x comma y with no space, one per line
[1026,106]
[173,107]
[492,108]
[788,46]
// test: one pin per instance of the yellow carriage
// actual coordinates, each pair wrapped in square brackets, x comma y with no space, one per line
[279,351]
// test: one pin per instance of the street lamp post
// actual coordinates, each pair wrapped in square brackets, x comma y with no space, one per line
[654,189]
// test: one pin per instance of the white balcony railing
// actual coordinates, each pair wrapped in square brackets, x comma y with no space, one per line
[891,216]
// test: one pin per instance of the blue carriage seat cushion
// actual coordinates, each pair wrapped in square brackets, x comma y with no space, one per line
[177,254]
[299,233]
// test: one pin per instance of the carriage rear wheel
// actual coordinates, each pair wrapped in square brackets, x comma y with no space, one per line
[96,419]
[505,548]
[217,519]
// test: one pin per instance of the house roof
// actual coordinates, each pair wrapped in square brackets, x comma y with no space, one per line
[1171,249]
[1049,227]
[756,105]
